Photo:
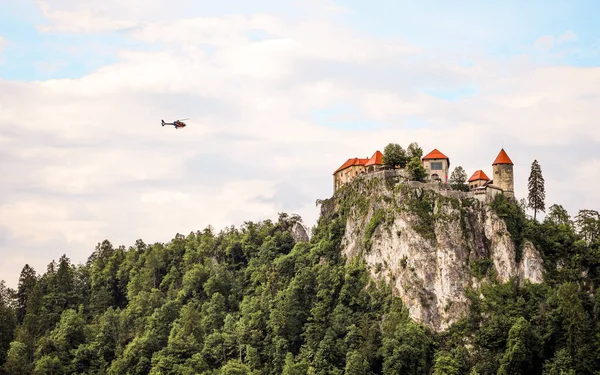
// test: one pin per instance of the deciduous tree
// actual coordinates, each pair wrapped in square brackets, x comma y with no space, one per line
[558,215]
[394,155]
[414,151]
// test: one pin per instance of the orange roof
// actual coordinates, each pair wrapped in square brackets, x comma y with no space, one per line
[479,175]
[376,159]
[502,158]
[351,162]
[435,154]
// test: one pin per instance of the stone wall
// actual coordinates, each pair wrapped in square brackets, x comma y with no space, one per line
[347,175]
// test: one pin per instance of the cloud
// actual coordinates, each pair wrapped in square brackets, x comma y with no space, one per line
[2,42]
[568,36]
[86,159]
[544,42]
[547,42]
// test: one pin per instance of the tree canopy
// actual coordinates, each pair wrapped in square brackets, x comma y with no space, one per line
[252,300]
[394,156]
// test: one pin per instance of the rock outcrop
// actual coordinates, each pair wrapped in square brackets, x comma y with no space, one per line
[299,232]
[430,242]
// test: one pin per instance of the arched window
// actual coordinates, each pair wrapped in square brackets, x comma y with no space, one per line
[435,177]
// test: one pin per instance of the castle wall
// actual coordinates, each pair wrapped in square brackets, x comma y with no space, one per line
[503,178]
[476,183]
[346,175]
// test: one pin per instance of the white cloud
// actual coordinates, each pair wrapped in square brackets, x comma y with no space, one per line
[2,42]
[547,42]
[86,159]
[568,36]
[544,42]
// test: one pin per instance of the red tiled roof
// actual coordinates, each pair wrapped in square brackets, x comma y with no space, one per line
[351,162]
[479,175]
[502,158]
[376,159]
[435,154]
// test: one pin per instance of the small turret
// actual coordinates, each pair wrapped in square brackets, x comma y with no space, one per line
[503,174]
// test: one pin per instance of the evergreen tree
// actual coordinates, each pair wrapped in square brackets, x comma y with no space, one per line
[537,194]
[8,320]
[416,169]
[458,179]
[588,225]
[27,282]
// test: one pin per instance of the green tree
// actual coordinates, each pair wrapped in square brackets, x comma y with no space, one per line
[27,281]
[8,320]
[407,349]
[356,363]
[558,215]
[520,355]
[414,151]
[537,194]
[234,367]
[18,360]
[293,368]
[458,179]
[416,169]
[588,225]
[394,155]
[561,364]
[573,314]
[445,364]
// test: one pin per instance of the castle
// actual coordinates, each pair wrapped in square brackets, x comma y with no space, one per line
[437,165]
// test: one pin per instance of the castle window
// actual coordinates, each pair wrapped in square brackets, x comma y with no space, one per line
[436,166]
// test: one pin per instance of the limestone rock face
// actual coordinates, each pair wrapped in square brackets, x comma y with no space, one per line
[531,267]
[430,243]
[299,232]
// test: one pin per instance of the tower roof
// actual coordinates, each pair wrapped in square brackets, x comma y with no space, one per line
[502,158]
[351,162]
[479,175]
[435,154]
[376,159]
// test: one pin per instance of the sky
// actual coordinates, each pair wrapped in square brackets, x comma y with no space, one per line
[278,93]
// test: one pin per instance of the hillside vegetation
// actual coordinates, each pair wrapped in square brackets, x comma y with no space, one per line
[251,300]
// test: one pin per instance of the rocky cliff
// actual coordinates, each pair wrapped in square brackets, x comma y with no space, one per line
[430,242]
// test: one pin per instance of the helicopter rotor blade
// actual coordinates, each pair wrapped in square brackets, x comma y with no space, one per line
[183,119]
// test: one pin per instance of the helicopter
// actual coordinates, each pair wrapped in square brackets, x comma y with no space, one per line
[177,123]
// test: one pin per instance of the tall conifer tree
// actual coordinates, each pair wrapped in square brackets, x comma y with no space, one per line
[537,193]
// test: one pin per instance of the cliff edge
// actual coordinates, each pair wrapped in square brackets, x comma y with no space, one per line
[430,242]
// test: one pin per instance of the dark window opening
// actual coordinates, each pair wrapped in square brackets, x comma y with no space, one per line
[436,165]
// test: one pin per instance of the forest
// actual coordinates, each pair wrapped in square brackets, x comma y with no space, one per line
[252,300]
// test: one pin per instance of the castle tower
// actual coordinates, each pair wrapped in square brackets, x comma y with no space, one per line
[437,165]
[503,174]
